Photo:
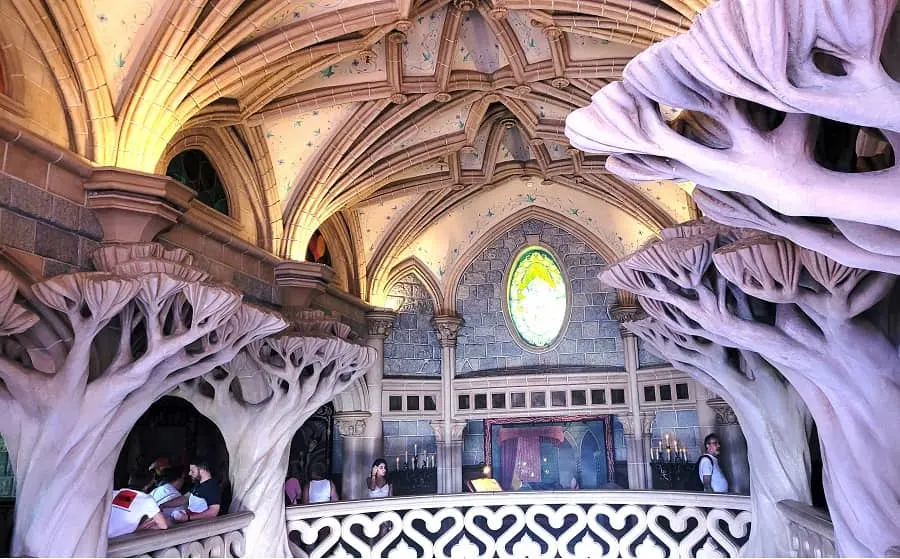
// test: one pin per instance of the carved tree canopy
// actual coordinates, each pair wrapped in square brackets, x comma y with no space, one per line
[788,112]
[261,398]
[141,325]
[829,329]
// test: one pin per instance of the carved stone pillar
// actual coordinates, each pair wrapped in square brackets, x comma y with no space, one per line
[134,207]
[637,444]
[380,323]
[449,464]
[449,436]
[733,458]
[353,426]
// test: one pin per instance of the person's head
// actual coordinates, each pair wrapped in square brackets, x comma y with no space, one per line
[174,476]
[140,480]
[317,471]
[711,444]
[199,471]
[379,467]
[159,465]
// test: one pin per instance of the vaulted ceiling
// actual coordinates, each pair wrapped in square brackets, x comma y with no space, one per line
[342,108]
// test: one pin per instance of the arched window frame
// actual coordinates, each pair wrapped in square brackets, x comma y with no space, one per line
[219,176]
[507,315]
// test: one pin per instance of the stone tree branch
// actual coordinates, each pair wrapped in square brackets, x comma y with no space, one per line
[773,418]
[819,322]
[777,97]
[273,386]
[144,320]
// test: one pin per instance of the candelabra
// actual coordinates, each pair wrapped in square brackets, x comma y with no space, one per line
[669,464]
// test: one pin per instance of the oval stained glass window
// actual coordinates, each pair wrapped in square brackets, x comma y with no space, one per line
[536,297]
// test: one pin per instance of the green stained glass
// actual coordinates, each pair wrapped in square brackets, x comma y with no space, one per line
[536,295]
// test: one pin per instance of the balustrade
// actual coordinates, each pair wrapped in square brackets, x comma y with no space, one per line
[525,524]
[214,537]
[812,534]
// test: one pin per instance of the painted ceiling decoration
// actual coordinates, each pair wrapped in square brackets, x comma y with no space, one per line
[348,107]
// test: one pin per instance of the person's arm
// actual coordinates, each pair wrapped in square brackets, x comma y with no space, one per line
[706,474]
[180,501]
[159,521]
[304,497]
[390,490]
[334,495]
[371,483]
[211,512]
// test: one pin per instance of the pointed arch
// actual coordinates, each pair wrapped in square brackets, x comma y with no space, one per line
[412,266]
[454,274]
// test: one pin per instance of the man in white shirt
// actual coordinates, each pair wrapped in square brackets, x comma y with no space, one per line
[132,509]
[710,473]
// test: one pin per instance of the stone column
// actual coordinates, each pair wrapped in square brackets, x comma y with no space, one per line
[380,322]
[637,444]
[733,458]
[356,460]
[448,431]
[449,436]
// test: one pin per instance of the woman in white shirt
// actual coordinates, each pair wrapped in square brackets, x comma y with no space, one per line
[319,489]
[377,483]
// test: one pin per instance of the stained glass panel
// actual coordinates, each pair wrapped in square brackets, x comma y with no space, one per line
[536,296]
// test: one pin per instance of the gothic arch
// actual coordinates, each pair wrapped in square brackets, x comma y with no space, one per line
[454,274]
[247,210]
[412,266]
[355,398]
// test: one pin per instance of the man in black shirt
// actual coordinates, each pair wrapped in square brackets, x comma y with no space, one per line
[205,497]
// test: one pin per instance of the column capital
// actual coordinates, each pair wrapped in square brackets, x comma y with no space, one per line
[447,328]
[724,414]
[456,430]
[134,207]
[627,424]
[300,282]
[380,322]
[352,423]
[647,419]
[624,313]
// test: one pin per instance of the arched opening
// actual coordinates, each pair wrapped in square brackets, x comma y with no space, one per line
[317,249]
[194,169]
[174,430]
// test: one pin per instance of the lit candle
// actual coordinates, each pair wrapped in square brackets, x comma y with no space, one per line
[668,454]
[684,454]
[415,449]
[667,439]
[406,457]
[398,464]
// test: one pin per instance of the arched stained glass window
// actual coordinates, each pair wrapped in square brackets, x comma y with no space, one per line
[193,169]
[536,297]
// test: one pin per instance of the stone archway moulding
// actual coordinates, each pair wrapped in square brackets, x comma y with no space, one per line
[415,267]
[454,274]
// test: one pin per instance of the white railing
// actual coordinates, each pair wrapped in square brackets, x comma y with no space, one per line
[213,537]
[525,524]
[812,534]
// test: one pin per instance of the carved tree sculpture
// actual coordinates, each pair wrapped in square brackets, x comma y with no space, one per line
[789,109]
[829,329]
[260,399]
[772,415]
[140,326]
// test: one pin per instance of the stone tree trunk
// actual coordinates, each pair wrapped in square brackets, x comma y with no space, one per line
[260,399]
[827,328]
[787,109]
[139,327]
[772,416]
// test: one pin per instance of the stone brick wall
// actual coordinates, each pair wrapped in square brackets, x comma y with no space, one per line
[485,343]
[646,357]
[412,348]
[49,233]
[473,443]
